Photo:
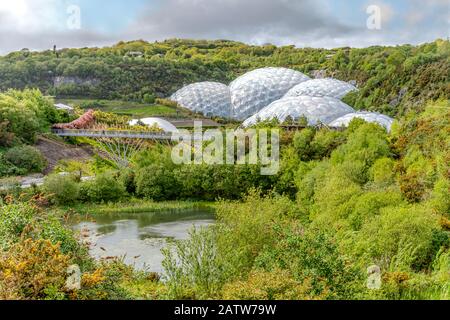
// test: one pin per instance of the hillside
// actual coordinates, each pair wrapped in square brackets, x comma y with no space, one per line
[54,151]
[392,80]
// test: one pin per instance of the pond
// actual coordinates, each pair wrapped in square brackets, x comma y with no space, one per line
[138,237]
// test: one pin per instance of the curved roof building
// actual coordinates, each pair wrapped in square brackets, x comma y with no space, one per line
[210,98]
[372,117]
[256,89]
[315,109]
[165,125]
[322,88]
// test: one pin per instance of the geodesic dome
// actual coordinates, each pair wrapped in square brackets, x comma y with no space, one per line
[322,88]
[210,98]
[256,89]
[315,109]
[165,125]
[372,117]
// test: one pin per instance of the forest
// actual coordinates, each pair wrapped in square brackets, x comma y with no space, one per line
[392,80]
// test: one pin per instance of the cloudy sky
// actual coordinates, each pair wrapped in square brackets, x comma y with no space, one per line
[39,24]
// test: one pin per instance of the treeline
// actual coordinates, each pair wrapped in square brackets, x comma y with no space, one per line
[391,79]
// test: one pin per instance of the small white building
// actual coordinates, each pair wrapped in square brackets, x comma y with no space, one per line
[61,106]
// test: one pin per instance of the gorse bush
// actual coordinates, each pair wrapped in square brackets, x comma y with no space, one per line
[29,268]
[36,250]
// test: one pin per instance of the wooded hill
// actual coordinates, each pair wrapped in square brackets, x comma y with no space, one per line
[392,80]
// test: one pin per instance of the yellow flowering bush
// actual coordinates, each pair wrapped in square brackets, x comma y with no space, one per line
[29,267]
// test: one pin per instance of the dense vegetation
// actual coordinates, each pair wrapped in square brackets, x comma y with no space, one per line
[377,199]
[23,115]
[392,80]
[342,202]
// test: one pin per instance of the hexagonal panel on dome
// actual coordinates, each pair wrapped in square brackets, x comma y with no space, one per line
[315,109]
[372,117]
[164,125]
[322,88]
[256,89]
[209,98]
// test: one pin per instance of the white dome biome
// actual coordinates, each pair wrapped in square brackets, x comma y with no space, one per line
[322,88]
[372,117]
[210,98]
[315,109]
[164,125]
[256,89]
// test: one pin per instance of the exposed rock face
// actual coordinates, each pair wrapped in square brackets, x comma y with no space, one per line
[62,80]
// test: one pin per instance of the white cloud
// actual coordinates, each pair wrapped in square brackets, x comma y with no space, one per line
[30,15]
[40,24]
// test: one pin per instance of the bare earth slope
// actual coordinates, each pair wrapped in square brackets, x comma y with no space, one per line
[55,151]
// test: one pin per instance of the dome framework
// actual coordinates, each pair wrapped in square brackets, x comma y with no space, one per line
[210,98]
[315,109]
[371,117]
[322,88]
[256,89]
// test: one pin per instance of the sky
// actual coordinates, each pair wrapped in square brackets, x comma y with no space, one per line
[40,24]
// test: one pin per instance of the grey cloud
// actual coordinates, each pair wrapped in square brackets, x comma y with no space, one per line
[282,22]
[10,41]
[238,19]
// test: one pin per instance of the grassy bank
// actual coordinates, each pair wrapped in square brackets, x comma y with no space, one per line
[128,108]
[138,206]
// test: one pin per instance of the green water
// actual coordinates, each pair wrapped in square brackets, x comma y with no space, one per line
[138,238]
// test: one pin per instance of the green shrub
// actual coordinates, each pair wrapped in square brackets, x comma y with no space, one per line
[399,239]
[302,143]
[149,98]
[382,171]
[157,182]
[127,179]
[106,187]
[26,158]
[312,257]
[62,189]
[246,228]
[14,219]
[192,267]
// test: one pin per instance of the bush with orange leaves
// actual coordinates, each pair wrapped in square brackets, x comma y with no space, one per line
[29,268]
[90,280]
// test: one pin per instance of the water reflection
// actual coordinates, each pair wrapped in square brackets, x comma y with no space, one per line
[139,237]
